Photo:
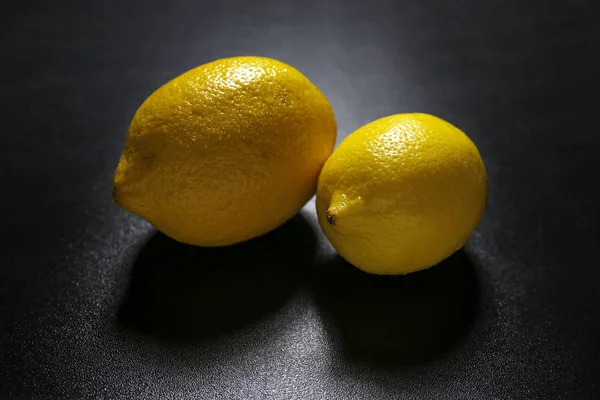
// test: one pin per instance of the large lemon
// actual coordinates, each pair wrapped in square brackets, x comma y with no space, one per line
[401,193]
[225,152]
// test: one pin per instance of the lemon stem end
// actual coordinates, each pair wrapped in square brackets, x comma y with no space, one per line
[330,217]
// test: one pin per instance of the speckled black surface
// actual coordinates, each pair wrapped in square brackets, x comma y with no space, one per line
[95,304]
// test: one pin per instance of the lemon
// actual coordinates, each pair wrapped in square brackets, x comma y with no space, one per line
[225,152]
[401,193]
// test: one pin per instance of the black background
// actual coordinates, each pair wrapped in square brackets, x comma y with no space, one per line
[95,304]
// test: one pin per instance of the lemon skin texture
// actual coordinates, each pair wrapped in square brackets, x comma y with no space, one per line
[401,194]
[225,152]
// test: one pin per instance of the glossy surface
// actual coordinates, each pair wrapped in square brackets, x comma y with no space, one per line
[225,152]
[95,304]
[401,193]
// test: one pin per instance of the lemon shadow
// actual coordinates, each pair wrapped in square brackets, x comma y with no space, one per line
[184,293]
[398,320]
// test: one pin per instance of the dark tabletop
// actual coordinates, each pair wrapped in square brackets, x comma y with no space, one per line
[95,304]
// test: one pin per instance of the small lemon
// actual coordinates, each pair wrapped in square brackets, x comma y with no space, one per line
[225,152]
[401,193]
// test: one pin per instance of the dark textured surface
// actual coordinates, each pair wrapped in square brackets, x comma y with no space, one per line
[95,304]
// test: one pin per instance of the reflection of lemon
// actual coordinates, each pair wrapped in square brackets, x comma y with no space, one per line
[225,152]
[401,193]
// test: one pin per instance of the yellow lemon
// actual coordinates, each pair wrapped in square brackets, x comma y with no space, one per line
[225,152]
[401,193]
